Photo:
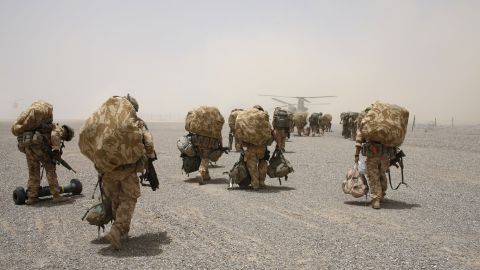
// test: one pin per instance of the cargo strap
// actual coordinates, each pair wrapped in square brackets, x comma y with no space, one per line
[401,171]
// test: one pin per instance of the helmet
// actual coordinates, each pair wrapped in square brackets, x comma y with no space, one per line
[68,133]
[133,101]
[258,107]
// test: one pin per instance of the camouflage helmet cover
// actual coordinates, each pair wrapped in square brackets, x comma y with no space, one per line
[68,133]
[258,107]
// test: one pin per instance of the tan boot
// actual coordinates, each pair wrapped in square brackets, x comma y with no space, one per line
[376,203]
[262,184]
[31,201]
[113,236]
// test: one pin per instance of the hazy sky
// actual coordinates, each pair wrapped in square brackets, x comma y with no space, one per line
[175,55]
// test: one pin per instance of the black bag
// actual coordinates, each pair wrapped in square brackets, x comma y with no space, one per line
[190,164]
[280,119]
[239,174]
[279,166]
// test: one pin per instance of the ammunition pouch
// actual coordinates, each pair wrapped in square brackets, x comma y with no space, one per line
[373,149]
[29,138]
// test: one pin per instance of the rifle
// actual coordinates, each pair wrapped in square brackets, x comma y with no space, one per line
[397,161]
[58,159]
[150,175]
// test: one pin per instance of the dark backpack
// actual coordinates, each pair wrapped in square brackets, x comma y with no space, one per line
[239,173]
[279,166]
[190,164]
[280,119]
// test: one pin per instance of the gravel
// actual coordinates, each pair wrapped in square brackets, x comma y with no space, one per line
[306,223]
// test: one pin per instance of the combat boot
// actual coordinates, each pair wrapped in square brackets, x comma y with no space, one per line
[262,184]
[31,201]
[60,199]
[113,236]
[376,203]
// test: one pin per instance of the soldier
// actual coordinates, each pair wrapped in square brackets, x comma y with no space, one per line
[352,124]
[44,155]
[231,134]
[344,122]
[122,186]
[281,124]
[256,157]
[377,162]
[206,146]
[314,121]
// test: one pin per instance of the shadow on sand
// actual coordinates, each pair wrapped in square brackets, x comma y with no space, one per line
[387,204]
[215,181]
[267,189]
[48,201]
[145,245]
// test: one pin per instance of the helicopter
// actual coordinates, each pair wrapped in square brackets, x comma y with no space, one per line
[300,107]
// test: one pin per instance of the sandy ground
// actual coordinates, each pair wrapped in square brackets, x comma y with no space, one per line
[307,223]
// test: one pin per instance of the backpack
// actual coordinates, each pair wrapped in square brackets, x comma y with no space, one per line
[300,119]
[239,173]
[206,121]
[281,119]
[100,214]
[279,166]
[385,123]
[185,145]
[112,136]
[190,164]
[33,117]
[233,117]
[252,126]
[355,183]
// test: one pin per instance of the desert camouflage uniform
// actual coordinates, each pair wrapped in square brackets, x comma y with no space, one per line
[352,124]
[377,166]
[345,127]
[122,187]
[282,134]
[256,164]
[205,146]
[36,157]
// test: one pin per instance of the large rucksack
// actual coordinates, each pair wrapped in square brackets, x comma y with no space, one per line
[252,126]
[233,117]
[279,166]
[111,137]
[385,123]
[281,119]
[33,117]
[239,173]
[206,121]
[300,119]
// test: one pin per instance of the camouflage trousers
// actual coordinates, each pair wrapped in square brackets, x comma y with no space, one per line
[300,130]
[282,136]
[203,169]
[256,165]
[123,189]
[345,131]
[34,163]
[315,129]
[376,168]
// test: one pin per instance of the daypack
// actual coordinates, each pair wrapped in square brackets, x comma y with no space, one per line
[281,119]
[279,166]
[239,173]
[29,138]
[190,164]
[33,117]
[355,183]
[252,126]
[185,146]
[111,136]
[206,121]
[385,123]
[100,214]
[233,117]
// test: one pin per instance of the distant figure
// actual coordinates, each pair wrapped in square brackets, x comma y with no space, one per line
[281,124]
[42,142]
[231,134]
[344,116]
[314,121]
[352,124]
